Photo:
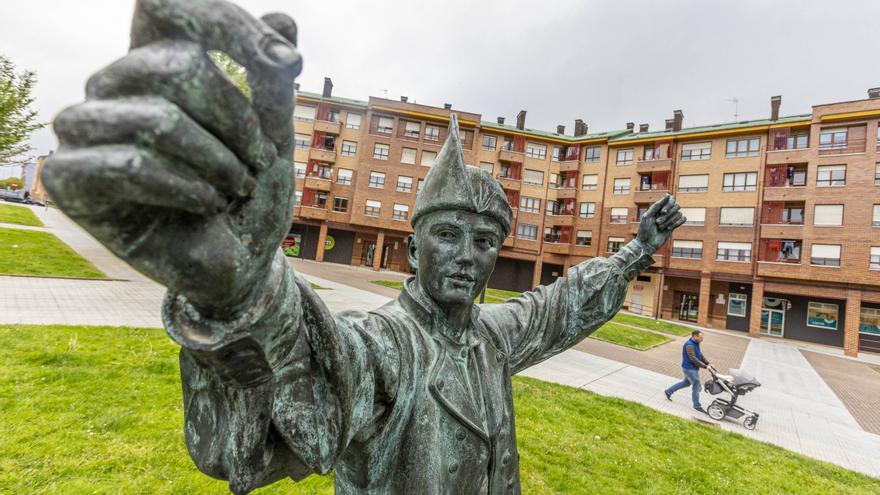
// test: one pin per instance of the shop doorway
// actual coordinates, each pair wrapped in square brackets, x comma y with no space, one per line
[773,317]
[688,306]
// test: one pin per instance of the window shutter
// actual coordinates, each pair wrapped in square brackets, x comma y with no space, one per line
[693,181]
[737,216]
[825,251]
[618,212]
[694,215]
[828,215]
[742,246]
[687,244]
[304,112]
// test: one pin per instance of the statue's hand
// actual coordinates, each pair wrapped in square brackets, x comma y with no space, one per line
[659,221]
[170,166]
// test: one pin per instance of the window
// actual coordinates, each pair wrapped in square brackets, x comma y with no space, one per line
[380,151]
[385,125]
[531,205]
[343,176]
[300,169]
[428,158]
[797,140]
[297,197]
[301,141]
[377,180]
[490,142]
[828,215]
[302,112]
[487,167]
[877,173]
[400,212]
[584,238]
[792,214]
[734,251]
[625,157]
[419,185]
[651,153]
[535,177]
[874,260]
[737,304]
[737,148]
[408,156]
[687,249]
[340,204]
[618,215]
[590,182]
[587,210]
[822,315]
[693,183]
[527,232]
[557,152]
[325,172]
[432,133]
[694,216]
[742,181]
[411,129]
[349,148]
[621,186]
[738,217]
[825,255]
[535,150]
[696,151]
[404,184]
[353,120]
[831,176]
[875,217]
[553,183]
[614,244]
[592,153]
[869,320]
[372,208]
[832,138]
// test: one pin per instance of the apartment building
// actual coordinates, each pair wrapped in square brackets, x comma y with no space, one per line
[783,232]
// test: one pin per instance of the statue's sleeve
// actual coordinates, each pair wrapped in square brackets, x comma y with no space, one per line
[282,390]
[550,319]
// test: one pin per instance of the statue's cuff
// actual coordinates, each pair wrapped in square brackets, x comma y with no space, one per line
[633,258]
[228,347]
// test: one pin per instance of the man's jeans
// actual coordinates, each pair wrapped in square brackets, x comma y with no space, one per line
[692,378]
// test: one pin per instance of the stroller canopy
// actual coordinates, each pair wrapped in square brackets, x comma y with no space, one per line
[741,377]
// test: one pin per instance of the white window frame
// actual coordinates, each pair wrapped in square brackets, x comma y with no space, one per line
[734,296]
[381,151]
[821,307]
[696,151]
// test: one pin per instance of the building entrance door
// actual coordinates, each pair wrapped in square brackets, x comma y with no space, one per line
[772,322]
[688,304]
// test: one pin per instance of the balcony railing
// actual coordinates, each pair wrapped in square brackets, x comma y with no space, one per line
[849,146]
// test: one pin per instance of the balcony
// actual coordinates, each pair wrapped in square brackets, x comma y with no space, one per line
[328,127]
[657,165]
[312,212]
[557,247]
[323,155]
[317,183]
[510,183]
[785,156]
[559,220]
[780,251]
[651,195]
[566,193]
[511,156]
[569,165]
[786,176]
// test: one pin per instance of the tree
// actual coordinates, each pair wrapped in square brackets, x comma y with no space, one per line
[17,119]
[233,70]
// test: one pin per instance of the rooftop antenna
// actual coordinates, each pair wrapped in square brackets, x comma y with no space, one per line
[735,102]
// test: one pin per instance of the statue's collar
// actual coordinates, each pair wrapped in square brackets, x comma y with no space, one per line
[428,313]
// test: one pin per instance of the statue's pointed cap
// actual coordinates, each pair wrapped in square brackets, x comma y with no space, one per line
[451,185]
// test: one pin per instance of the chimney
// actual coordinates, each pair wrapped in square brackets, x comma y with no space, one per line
[404,99]
[328,88]
[677,119]
[296,86]
[643,127]
[447,106]
[874,93]
[521,120]
[579,127]
[500,120]
[560,129]
[630,126]
[775,102]
[670,123]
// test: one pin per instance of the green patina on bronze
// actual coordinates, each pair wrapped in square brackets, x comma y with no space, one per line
[191,183]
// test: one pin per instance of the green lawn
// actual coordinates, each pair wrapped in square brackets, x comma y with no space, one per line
[97,410]
[493,296]
[651,324]
[27,252]
[628,336]
[19,215]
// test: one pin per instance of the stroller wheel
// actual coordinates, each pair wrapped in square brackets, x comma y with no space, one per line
[750,422]
[715,412]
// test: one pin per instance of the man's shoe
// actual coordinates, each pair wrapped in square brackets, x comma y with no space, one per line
[668,395]
[700,409]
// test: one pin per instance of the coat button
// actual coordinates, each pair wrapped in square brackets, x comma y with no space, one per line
[454,467]
[464,353]
[440,384]
[460,435]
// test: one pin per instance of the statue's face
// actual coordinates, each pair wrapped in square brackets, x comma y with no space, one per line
[454,253]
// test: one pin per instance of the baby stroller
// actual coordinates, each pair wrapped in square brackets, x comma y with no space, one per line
[736,384]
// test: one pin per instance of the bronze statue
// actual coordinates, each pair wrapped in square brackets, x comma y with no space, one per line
[182,176]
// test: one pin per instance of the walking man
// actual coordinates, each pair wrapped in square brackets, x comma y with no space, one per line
[691,361]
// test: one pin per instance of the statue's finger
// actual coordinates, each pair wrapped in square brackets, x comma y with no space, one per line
[655,208]
[85,180]
[155,123]
[671,220]
[668,213]
[180,72]
[271,59]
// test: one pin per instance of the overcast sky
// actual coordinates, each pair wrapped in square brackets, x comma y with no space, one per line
[606,62]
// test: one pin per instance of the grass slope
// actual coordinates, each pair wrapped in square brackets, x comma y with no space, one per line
[98,410]
[628,336]
[658,325]
[19,215]
[26,252]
